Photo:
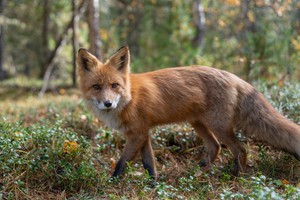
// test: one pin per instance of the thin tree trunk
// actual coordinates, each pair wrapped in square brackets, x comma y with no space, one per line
[2,71]
[94,27]
[74,40]
[133,15]
[45,31]
[200,24]
[248,27]
[134,31]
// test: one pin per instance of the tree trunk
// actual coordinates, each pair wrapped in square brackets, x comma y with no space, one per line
[134,31]
[74,40]
[248,27]
[94,27]
[2,71]
[45,31]
[133,15]
[200,24]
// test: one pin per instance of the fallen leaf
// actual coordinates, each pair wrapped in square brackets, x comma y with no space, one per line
[70,146]
[113,163]
[285,182]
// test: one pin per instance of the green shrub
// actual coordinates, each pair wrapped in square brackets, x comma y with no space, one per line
[48,157]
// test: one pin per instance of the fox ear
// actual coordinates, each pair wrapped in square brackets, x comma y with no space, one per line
[85,60]
[120,60]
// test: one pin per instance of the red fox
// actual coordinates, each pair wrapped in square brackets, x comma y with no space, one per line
[213,101]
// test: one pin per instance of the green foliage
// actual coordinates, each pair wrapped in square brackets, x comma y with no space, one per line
[25,51]
[284,97]
[263,188]
[255,40]
[47,157]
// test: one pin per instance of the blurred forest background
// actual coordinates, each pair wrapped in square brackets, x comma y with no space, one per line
[251,38]
[54,148]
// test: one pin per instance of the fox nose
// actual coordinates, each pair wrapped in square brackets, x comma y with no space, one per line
[107,103]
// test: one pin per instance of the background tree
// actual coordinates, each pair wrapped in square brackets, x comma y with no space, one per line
[199,19]
[94,27]
[58,45]
[2,72]
[254,39]
[45,33]
[74,39]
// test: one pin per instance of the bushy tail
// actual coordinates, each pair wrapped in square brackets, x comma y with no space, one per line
[260,121]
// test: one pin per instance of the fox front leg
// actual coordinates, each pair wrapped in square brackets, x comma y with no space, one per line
[134,143]
[148,159]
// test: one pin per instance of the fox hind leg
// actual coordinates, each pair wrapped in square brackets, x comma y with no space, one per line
[210,142]
[229,139]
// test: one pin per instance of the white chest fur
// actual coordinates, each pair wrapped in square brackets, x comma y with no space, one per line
[109,117]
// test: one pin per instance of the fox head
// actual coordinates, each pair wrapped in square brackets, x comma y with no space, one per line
[105,86]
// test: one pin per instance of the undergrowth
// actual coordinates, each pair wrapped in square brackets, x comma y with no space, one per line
[53,148]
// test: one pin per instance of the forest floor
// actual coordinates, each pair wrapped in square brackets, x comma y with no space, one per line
[54,148]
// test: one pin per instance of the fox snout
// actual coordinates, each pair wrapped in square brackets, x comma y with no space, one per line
[107,104]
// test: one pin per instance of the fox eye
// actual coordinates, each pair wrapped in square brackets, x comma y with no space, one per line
[115,85]
[96,87]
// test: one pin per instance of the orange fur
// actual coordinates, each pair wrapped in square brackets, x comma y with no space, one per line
[213,101]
